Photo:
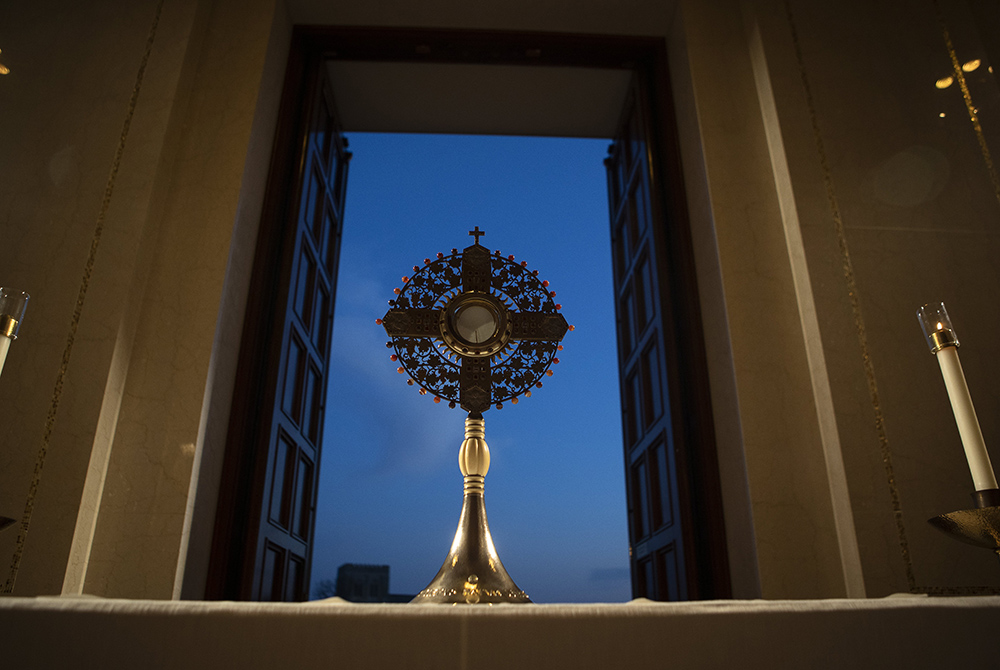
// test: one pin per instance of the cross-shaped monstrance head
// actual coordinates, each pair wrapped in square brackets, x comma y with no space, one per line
[475,328]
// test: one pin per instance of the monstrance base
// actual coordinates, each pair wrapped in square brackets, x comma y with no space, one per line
[472,574]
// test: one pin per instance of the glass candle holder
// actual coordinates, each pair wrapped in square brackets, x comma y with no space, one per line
[936,324]
[12,306]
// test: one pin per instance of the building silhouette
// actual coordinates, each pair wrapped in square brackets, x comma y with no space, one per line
[366,584]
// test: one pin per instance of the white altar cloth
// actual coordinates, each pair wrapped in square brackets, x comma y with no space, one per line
[908,633]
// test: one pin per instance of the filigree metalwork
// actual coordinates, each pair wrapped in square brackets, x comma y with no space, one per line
[474,328]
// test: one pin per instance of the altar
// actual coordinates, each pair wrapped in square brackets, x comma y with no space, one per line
[896,632]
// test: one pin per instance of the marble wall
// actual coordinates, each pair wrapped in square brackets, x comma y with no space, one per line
[73,208]
[163,96]
[767,405]
[168,396]
[834,189]
[898,206]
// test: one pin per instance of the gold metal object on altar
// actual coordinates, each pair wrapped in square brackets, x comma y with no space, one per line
[978,527]
[476,330]
[472,573]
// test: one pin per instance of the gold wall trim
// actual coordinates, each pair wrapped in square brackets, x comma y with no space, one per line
[973,112]
[958,590]
[88,270]
[852,291]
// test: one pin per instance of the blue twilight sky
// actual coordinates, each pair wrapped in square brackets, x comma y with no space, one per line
[390,488]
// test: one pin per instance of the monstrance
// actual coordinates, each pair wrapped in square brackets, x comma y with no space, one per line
[474,329]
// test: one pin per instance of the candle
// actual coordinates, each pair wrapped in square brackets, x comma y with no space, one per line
[944,344]
[12,305]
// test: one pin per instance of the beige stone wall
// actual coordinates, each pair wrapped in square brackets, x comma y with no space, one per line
[73,71]
[148,365]
[918,210]
[835,216]
[771,441]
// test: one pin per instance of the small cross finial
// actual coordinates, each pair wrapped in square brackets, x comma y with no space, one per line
[477,233]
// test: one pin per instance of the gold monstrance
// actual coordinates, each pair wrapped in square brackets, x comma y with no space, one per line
[478,330]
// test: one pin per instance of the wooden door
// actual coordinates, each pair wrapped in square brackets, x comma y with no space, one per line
[656,537]
[266,516]
[283,548]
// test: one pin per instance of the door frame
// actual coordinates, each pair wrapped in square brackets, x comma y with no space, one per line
[701,512]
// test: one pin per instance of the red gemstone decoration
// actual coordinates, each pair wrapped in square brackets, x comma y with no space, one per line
[556,361]
[548,372]
[378,322]
[393,357]
[400,369]
[545,283]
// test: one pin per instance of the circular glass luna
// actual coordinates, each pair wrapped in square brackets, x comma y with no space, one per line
[474,324]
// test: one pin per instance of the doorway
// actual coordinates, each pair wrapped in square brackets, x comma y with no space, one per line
[679,364]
